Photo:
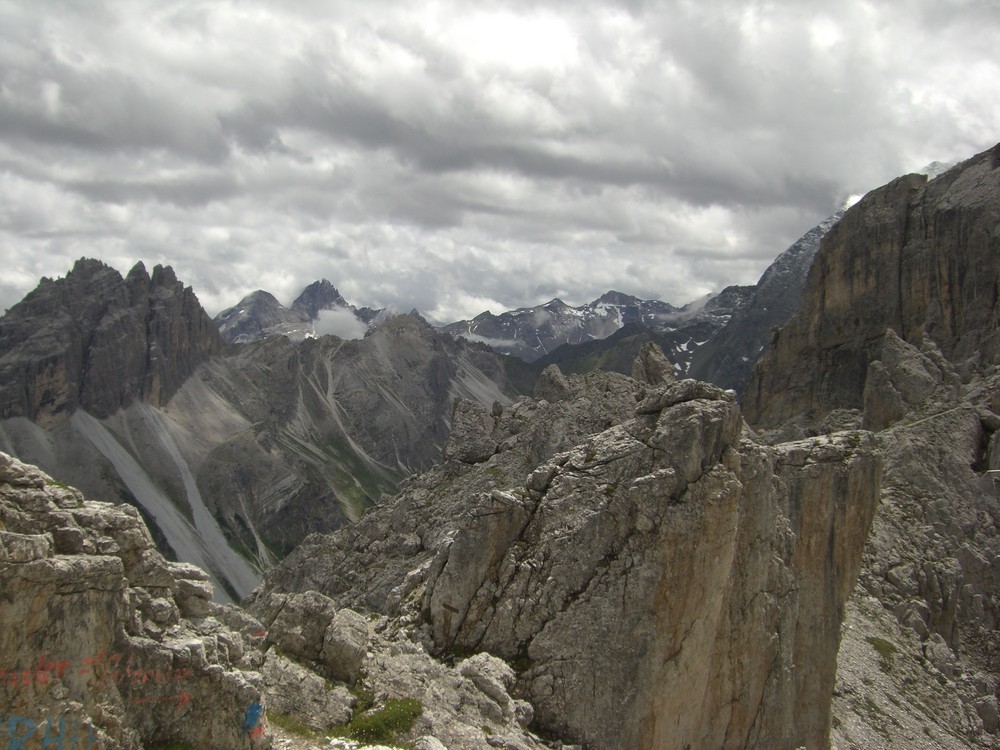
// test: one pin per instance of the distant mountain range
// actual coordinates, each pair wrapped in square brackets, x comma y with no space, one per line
[533,332]
[717,338]
[318,310]
[248,432]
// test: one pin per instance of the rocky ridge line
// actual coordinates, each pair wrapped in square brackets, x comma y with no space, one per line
[656,577]
[95,341]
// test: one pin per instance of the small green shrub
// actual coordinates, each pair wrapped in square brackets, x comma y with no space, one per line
[382,725]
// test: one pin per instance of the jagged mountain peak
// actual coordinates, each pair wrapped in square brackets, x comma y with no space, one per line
[96,341]
[613,297]
[260,315]
[319,295]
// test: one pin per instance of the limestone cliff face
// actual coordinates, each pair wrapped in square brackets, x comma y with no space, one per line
[915,256]
[104,643]
[658,578]
[95,341]
[898,333]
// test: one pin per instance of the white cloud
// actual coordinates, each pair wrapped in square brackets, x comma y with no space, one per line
[340,323]
[442,155]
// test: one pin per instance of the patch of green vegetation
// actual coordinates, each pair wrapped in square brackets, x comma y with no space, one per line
[364,698]
[293,725]
[886,652]
[382,725]
[171,746]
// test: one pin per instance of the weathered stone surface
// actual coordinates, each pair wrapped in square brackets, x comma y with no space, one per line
[637,569]
[471,439]
[293,690]
[493,677]
[552,385]
[457,713]
[652,366]
[297,623]
[85,646]
[345,645]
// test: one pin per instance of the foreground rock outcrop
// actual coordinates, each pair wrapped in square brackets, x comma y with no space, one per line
[107,646]
[104,643]
[656,577]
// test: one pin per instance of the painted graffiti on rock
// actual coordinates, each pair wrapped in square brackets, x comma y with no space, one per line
[50,733]
[103,670]
[253,720]
[165,686]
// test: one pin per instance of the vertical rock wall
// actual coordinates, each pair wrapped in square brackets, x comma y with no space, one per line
[920,258]
[95,341]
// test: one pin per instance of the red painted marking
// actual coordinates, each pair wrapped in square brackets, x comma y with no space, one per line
[181,699]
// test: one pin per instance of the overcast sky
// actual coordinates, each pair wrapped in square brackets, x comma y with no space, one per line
[460,156]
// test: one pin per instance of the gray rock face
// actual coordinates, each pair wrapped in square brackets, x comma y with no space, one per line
[293,690]
[898,331]
[95,341]
[914,256]
[635,556]
[652,367]
[96,642]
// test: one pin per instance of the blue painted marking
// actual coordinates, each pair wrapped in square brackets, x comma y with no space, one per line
[252,717]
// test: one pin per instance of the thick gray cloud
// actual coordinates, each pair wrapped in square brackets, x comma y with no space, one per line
[455,157]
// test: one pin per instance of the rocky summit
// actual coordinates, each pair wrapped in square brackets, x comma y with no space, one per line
[96,341]
[656,577]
